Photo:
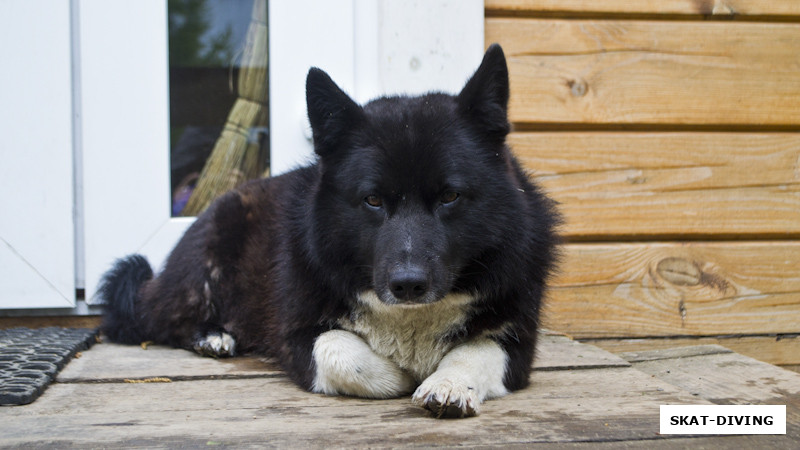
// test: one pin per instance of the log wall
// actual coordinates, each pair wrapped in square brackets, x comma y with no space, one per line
[669,132]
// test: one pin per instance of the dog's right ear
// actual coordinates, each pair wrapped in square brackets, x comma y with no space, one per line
[331,112]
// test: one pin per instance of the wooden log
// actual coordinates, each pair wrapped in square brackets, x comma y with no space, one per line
[672,289]
[650,72]
[668,185]
[703,8]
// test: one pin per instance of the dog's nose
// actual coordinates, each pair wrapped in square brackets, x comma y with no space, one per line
[408,284]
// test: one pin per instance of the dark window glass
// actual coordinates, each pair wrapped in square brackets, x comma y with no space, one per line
[219,112]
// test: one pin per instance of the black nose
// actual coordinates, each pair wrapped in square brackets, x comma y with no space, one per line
[408,284]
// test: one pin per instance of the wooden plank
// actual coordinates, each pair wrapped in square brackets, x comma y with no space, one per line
[561,406]
[712,373]
[763,441]
[722,8]
[109,362]
[49,321]
[669,289]
[780,350]
[562,353]
[668,184]
[650,72]
[675,353]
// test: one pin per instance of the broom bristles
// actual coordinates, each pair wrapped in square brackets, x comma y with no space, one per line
[234,159]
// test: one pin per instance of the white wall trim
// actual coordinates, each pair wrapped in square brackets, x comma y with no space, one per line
[124,128]
[369,48]
[302,34]
[432,45]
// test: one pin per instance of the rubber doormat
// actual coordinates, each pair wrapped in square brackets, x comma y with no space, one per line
[31,358]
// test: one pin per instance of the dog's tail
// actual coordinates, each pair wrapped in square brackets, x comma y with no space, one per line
[120,289]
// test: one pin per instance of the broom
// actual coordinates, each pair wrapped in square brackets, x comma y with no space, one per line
[237,154]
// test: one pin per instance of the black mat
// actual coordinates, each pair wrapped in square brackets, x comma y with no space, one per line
[31,358]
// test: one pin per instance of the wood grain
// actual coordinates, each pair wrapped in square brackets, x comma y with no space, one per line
[113,363]
[725,8]
[668,185]
[110,362]
[554,352]
[587,407]
[647,68]
[50,321]
[650,72]
[669,289]
[701,371]
[568,407]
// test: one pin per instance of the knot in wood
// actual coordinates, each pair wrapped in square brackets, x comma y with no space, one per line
[578,87]
[679,271]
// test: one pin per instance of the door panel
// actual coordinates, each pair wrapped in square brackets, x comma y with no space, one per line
[36,173]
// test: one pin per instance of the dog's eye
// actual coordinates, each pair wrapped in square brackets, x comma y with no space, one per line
[373,201]
[449,197]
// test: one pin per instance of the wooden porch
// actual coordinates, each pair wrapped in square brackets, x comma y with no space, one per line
[580,397]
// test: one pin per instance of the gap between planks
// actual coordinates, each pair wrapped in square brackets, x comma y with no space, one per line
[113,363]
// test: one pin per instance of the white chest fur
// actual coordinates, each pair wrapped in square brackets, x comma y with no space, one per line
[412,336]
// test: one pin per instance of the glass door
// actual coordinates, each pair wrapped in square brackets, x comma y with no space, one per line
[178,105]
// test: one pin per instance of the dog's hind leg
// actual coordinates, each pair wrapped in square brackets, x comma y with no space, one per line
[215,342]
[173,309]
[223,243]
[187,304]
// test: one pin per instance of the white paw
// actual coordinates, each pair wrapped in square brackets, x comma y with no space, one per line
[216,345]
[447,397]
[468,375]
[346,365]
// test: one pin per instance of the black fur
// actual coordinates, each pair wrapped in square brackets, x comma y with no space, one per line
[412,197]
[122,284]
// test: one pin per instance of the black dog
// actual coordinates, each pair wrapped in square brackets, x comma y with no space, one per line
[411,257]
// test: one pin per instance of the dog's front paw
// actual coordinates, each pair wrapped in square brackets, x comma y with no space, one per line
[345,364]
[447,397]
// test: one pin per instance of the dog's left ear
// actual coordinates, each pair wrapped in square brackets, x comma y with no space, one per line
[484,99]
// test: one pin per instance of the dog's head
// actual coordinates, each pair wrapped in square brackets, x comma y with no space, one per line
[414,191]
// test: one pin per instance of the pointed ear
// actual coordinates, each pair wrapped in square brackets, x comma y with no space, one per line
[331,112]
[484,99]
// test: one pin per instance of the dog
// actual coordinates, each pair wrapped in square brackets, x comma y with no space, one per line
[411,258]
